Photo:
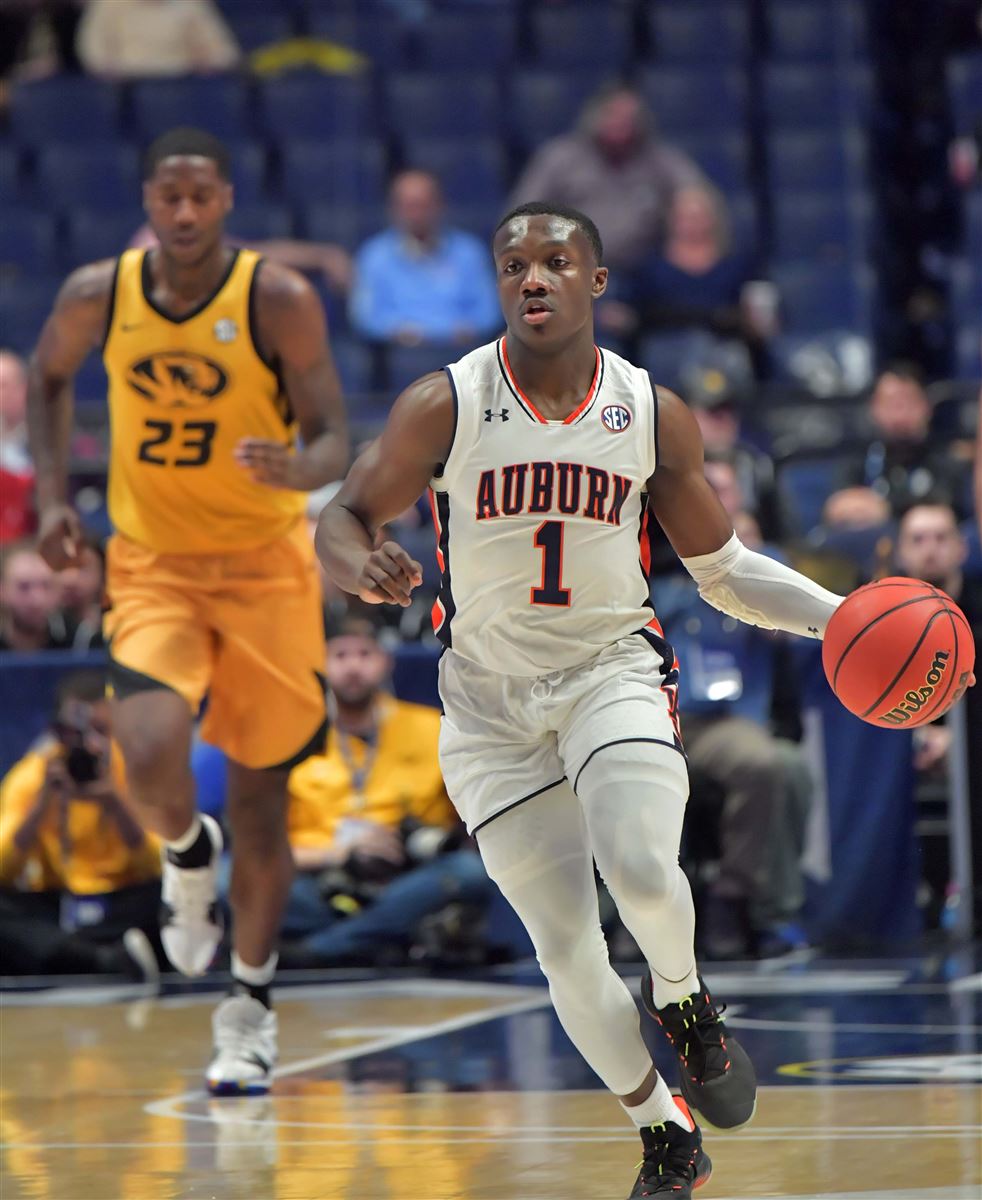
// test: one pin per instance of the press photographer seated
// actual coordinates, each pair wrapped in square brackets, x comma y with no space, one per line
[377,844]
[78,876]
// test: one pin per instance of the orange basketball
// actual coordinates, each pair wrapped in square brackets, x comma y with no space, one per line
[898,653]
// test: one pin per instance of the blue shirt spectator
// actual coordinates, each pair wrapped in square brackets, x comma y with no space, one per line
[420,282]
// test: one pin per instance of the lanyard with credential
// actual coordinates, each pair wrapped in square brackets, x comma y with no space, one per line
[359,774]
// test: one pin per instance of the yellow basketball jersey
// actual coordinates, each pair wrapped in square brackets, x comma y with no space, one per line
[182,394]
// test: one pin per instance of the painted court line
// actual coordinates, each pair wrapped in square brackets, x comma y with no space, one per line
[166,1108]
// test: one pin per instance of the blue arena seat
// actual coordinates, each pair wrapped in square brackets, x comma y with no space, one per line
[260,222]
[69,109]
[27,243]
[249,171]
[803,31]
[471,170]
[91,235]
[348,225]
[382,39]
[447,40]
[422,106]
[578,35]
[684,99]
[824,226]
[817,161]
[24,305]
[100,176]
[817,298]
[11,182]
[973,228]
[809,482]
[309,105]
[699,30]
[220,105]
[542,105]
[744,220]
[354,363]
[966,291]
[339,173]
[405,364]
[965,90]
[253,30]
[807,97]
[723,156]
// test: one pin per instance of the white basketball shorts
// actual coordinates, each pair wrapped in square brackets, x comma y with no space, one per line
[506,739]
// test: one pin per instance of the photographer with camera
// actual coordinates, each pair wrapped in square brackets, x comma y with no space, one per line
[377,844]
[79,878]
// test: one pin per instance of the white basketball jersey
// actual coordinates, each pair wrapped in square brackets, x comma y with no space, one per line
[542,525]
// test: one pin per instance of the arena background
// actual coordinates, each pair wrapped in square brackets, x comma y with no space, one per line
[837,132]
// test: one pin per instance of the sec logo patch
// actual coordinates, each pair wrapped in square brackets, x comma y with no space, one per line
[616,418]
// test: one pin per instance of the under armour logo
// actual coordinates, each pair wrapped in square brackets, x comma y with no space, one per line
[813,631]
[489,416]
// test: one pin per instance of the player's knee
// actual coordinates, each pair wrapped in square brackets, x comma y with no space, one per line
[575,953]
[641,875]
[151,763]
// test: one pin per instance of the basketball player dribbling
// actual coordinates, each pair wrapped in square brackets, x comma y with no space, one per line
[215,359]
[560,742]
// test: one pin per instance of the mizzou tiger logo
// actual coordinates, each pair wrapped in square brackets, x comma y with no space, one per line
[177,379]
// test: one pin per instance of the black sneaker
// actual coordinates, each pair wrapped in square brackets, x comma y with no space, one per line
[717,1076]
[675,1163]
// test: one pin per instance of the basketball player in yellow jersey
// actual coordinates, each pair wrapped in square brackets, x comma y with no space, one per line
[215,359]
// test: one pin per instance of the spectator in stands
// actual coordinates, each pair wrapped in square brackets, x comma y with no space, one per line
[930,546]
[81,595]
[419,281]
[137,39]
[615,167]
[75,867]
[901,463]
[16,468]
[24,55]
[695,280]
[29,615]
[749,784]
[377,844]
[714,401]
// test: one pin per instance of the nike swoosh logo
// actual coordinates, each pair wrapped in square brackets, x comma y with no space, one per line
[130,328]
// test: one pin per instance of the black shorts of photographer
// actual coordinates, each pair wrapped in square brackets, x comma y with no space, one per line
[79,878]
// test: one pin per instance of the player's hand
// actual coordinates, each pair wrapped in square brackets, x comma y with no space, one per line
[60,537]
[389,576]
[269,463]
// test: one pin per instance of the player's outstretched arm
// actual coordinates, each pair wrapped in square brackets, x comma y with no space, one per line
[737,581]
[77,325]
[386,480]
[292,331]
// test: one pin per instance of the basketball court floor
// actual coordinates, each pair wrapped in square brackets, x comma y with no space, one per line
[427,1089]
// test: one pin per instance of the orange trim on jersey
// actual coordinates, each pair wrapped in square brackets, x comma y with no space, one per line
[655,624]
[645,546]
[436,526]
[535,412]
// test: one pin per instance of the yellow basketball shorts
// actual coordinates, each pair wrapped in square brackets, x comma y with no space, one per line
[244,629]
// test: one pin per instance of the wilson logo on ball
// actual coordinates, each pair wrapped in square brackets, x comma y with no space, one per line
[914,701]
[616,418]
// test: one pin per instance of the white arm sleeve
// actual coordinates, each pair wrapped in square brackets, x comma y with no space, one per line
[759,591]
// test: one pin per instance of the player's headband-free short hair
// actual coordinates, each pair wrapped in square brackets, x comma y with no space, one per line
[185,142]
[541,208]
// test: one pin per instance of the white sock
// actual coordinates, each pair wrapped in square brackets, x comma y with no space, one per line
[254,976]
[666,992]
[186,840]
[658,1109]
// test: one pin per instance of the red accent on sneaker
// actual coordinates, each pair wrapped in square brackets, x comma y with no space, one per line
[684,1109]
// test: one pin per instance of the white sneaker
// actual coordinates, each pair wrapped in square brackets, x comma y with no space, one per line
[191,930]
[245,1048]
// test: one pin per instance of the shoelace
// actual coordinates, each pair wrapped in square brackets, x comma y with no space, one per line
[702,1031]
[664,1161]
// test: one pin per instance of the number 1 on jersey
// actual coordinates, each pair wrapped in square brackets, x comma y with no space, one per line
[549,539]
